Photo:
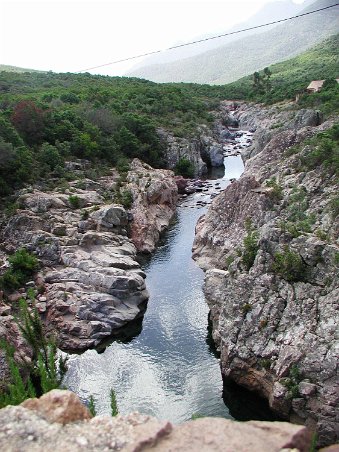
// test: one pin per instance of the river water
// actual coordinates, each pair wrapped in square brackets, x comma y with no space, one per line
[167,367]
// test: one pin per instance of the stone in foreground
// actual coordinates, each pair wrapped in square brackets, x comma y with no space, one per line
[59,422]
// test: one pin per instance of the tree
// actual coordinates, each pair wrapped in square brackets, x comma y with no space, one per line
[49,156]
[262,82]
[28,120]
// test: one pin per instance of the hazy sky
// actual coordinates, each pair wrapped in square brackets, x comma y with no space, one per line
[71,35]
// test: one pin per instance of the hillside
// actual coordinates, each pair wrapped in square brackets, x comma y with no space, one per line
[7,68]
[47,119]
[293,76]
[249,54]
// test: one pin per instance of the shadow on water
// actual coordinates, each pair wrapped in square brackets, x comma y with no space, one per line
[127,333]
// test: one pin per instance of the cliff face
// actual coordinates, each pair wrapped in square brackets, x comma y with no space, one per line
[90,283]
[272,283]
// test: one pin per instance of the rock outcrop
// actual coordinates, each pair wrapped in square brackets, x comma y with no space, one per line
[155,195]
[206,148]
[274,318]
[91,284]
[58,422]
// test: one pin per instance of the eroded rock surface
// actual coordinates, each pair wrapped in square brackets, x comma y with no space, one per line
[58,422]
[91,284]
[155,195]
[277,330]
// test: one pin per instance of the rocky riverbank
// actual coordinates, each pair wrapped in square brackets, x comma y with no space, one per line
[269,246]
[90,283]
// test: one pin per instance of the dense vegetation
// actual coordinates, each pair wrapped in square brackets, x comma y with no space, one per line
[47,118]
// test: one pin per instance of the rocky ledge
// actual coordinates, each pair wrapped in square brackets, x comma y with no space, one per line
[269,246]
[59,422]
[90,284]
[155,195]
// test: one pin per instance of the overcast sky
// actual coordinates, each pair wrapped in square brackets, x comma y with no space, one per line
[71,35]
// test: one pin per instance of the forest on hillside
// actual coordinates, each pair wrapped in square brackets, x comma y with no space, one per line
[48,118]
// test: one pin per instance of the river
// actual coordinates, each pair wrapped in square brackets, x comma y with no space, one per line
[168,367]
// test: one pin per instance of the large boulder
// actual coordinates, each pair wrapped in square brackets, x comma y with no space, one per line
[155,195]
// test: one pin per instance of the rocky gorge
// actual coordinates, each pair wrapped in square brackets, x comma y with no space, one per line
[268,244]
[275,333]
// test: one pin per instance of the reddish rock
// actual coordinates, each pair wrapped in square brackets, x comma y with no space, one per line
[59,406]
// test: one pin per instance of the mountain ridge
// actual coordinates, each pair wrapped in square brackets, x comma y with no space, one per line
[249,54]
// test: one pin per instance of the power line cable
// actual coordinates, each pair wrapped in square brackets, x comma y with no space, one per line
[207,39]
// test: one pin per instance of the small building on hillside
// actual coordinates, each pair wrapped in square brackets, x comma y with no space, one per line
[316,86]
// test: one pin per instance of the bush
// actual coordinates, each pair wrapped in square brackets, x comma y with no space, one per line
[126,198]
[292,382]
[114,405]
[22,267]
[289,265]
[184,168]
[276,193]
[334,207]
[45,372]
[74,201]
[324,151]
[251,246]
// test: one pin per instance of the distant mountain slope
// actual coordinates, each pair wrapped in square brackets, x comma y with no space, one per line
[268,13]
[249,54]
[7,68]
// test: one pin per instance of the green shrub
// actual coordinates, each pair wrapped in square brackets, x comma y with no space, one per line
[247,307]
[289,265]
[23,265]
[276,193]
[251,246]
[126,198]
[324,151]
[297,204]
[297,228]
[229,260]
[74,201]
[91,406]
[44,373]
[334,207]
[196,416]
[184,168]
[292,382]
[265,363]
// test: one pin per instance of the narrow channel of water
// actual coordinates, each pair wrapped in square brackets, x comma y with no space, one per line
[168,370]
